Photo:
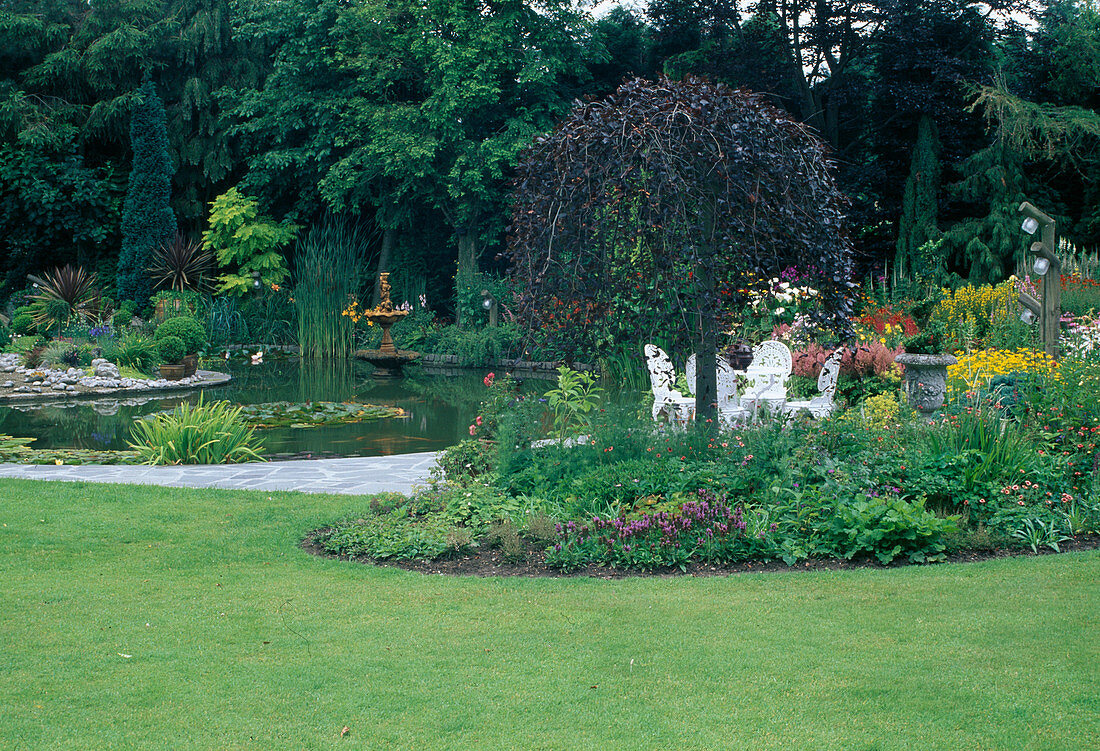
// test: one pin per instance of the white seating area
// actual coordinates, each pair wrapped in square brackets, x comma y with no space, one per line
[765,386]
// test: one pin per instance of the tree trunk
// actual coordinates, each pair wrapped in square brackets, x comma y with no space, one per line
[706,296]
[385,255]
[467,268]
[706,370]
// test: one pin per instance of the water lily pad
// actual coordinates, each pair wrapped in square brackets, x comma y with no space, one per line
[313,414]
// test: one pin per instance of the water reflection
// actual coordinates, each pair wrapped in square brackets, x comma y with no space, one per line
[439,409]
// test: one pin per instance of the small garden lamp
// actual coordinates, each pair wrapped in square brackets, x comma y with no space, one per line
[1032,309]
[255,280]
[489,303]
[1046,265]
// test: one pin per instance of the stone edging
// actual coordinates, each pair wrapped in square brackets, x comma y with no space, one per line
[452,361]
[201,379]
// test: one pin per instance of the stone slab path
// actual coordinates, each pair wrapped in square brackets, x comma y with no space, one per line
[349,476]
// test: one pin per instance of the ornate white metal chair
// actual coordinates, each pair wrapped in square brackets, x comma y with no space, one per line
[825,402]
[676,407]
[730,411]
[767,376]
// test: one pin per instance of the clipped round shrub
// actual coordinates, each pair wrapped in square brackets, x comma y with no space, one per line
[188,329]
[23,324]
[171,348]
[124,314]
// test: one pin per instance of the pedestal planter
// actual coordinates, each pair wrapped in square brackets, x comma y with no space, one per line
[925,380]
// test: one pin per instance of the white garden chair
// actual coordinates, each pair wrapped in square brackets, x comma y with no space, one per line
[824,403]
[730,411]
[667,401]
[767,376]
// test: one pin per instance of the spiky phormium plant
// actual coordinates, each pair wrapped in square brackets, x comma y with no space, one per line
[74,286]
[181,265]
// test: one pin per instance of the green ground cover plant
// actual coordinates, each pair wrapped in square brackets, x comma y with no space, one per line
[222,633]
[874,483]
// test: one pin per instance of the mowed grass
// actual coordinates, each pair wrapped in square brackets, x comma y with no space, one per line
[153,618]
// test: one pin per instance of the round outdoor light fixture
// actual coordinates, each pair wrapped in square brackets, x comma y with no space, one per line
[1027,316]
[1029,225]
[487,303]
[1041,266]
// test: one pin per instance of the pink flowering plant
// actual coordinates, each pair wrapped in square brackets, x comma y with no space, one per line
[506,405]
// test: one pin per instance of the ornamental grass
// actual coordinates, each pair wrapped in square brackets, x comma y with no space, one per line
[200,434]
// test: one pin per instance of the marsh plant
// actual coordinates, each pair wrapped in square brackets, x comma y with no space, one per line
[574,401]
[327,273]
[211,433]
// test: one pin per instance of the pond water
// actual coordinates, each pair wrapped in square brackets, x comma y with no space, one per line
[439,410]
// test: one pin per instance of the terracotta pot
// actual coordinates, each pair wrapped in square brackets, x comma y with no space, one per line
[173,372]
[190,365]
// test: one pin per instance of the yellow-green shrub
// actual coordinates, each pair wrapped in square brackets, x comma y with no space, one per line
[880,412]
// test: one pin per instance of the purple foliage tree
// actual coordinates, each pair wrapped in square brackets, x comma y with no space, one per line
[675,199]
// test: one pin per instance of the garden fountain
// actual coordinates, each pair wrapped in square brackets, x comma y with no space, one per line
[387,359]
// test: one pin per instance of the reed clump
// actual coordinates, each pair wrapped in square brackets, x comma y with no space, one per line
[328,272]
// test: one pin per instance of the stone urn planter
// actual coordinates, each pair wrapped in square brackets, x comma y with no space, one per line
[190,365]
[925,380]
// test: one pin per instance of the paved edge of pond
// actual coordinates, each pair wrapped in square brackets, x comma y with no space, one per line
[348,476]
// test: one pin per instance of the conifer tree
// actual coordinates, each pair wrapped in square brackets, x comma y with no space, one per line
[147,217]
[919,207]
[987,246]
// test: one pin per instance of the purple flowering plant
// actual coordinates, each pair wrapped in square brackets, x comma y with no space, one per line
[705,528]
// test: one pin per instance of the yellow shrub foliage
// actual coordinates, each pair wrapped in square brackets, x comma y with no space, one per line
[880,412]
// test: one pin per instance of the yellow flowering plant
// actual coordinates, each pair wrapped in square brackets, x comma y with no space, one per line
[975,370]
[973,317]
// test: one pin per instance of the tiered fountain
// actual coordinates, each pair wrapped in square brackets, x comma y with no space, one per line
[388,360]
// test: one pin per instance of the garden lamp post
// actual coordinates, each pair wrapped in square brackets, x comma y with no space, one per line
[489,303]
[1048,311]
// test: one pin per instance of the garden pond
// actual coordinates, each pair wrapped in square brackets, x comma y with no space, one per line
[437,410]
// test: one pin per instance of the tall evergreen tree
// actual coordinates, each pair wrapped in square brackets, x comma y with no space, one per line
[919,206]
[987,245]
[147,217]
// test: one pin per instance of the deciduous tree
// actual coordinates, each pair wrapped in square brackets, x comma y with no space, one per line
[688,185]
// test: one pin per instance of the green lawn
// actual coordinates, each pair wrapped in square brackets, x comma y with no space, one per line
[163,618]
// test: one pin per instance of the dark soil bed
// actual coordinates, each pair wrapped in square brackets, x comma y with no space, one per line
[489,562]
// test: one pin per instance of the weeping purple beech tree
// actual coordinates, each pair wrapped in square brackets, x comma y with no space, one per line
[675,200]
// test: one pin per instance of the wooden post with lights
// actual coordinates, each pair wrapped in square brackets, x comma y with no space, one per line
[1046,265]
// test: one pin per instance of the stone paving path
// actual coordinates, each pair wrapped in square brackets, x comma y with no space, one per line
[350,476]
